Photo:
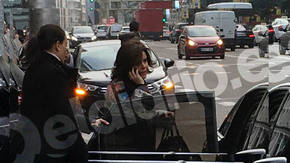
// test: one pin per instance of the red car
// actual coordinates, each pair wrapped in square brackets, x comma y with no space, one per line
[200,41]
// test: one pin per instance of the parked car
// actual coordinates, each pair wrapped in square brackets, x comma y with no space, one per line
[166,33]
[244,36]
[261,33]
[102,31]
[200,41]
[81,34]
[284,42]
[278,24]
[125,29]
[114,31]
[176,31]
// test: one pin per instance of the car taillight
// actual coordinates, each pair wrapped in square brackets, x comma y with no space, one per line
[251,35]
[271,30]
[179,30]
[19,98]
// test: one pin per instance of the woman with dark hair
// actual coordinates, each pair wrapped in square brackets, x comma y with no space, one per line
[47,86]
[131,67]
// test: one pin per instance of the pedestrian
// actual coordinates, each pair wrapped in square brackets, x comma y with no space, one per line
[134,27]
[131,67]
[47,87]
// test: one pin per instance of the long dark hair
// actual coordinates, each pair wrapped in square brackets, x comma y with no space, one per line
[128,56]
[46,37]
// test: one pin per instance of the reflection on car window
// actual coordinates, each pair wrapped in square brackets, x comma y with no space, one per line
[202,32]
[98,58]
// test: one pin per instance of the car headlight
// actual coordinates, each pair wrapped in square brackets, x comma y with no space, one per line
[88,87]
[93,38]
[11,83]
[2,83]
[220,42]
[191,43]
[166,84]
[74,38]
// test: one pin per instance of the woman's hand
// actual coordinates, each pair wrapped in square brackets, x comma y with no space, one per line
[135,76]
[99,121]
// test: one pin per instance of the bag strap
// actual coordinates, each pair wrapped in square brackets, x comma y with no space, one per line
[119,104]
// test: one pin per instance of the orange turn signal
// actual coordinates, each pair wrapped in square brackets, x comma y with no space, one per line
[80,92]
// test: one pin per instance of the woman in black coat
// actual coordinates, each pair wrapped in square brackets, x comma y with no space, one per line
[48,121]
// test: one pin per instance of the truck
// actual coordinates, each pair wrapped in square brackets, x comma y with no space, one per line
[150,17]
[223,21]
[151,25]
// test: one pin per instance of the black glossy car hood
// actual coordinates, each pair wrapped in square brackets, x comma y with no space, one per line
[103,78]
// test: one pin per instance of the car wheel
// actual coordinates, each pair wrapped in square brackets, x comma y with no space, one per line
[242,46]
[187,57]
[178,53]
[233,48]
[282,50]
[251,45]
[223,56]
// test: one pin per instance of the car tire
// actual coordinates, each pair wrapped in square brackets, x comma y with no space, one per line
[242,46]
[282,50]
[233,48]
[251,45]
[187,57]
[222,56]
[178,53]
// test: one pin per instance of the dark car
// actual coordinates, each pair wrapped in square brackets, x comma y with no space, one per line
[271,34]
[200,41]
[176,31]
[95,61]
[81,34]
[244,36]
[260,119]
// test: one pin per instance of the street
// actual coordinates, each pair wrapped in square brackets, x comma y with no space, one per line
[230,78]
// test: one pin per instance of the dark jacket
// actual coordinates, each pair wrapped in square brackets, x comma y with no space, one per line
[47,86]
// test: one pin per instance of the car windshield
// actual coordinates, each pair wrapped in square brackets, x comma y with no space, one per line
[126,29]
[103,28]
[83,30]
[102,57]
[116,28]
[202,32]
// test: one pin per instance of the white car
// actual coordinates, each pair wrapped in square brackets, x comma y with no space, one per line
[125,29]
[260,32]
[277,24]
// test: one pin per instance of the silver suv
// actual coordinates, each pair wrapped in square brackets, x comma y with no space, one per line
[284,43]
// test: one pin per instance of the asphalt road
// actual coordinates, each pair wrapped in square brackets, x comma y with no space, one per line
[230,78]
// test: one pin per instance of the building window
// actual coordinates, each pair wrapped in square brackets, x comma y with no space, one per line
[115,5]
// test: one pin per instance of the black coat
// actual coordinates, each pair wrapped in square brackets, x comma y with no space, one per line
[47,86]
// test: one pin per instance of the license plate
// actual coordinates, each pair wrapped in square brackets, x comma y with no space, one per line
[206,49]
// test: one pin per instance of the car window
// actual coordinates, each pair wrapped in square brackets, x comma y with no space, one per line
[281,133]
[116,27]
[83,30]
[202,32]
[103,28]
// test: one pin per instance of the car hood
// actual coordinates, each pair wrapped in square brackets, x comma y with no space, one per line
[103,77]
[84,35]
[205,39]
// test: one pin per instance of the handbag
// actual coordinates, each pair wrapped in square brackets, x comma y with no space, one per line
[170,142]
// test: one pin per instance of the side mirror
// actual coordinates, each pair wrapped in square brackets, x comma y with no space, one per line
[168,62]
[272,160]
[251,155]
[182,36]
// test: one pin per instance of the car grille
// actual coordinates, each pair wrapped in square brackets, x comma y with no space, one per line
[84,39]
[152,89]
[207,52]
[206,43]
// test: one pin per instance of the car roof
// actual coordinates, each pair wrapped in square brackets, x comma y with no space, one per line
[104,43]
[194,26]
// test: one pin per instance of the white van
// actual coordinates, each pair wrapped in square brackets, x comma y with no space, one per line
[223,21]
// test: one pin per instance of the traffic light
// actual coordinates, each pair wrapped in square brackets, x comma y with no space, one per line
[92,1]
[91,9]
[164,20]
